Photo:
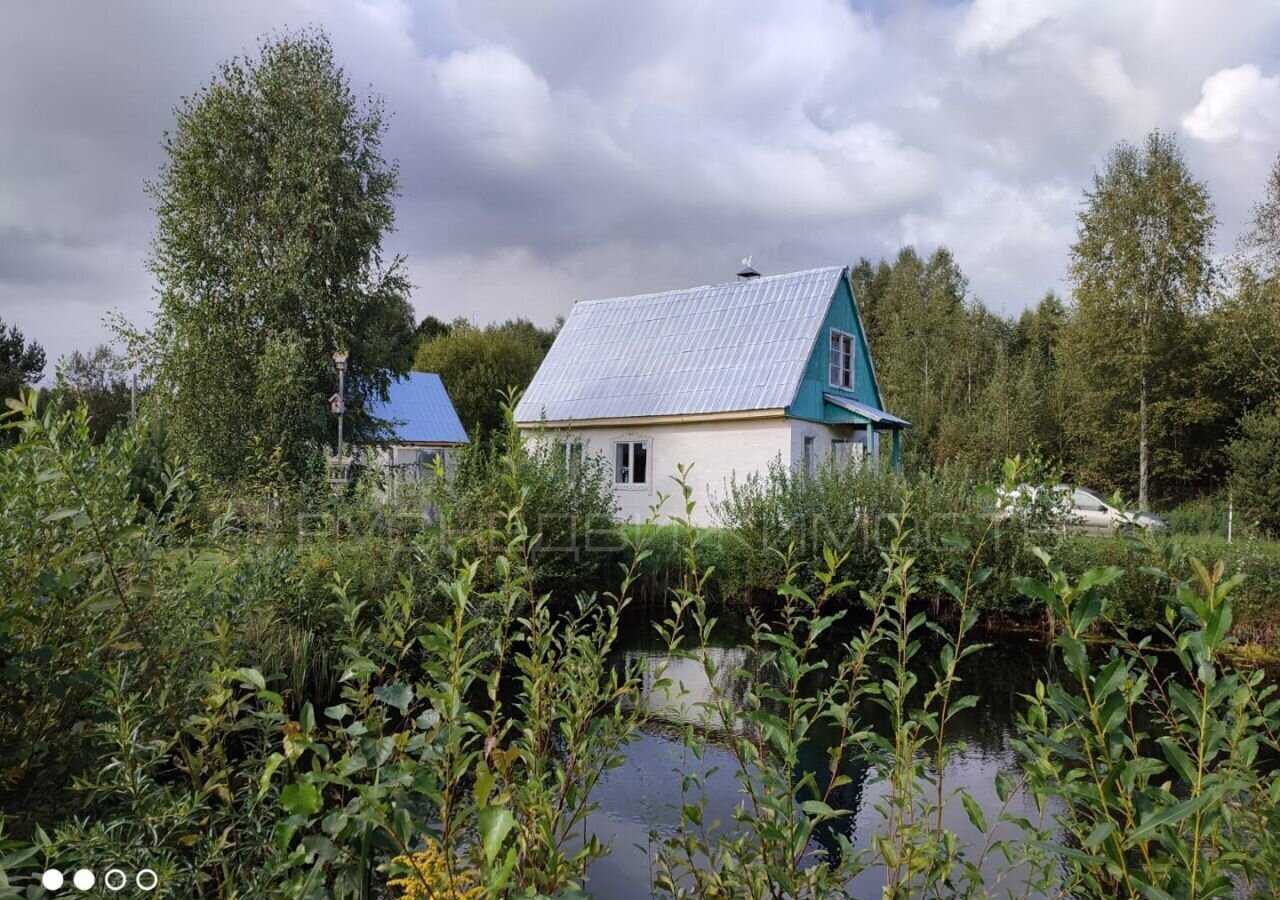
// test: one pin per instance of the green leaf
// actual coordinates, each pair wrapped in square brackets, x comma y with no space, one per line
[253,677]
[1169,816]
[301,799]
[1099,834]
[974,811]
[817,808]
[1036,590]
[397,695]
[1179,759]
[495,823]
[1005,786]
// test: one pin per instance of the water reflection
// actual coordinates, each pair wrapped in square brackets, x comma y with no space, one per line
[645,792]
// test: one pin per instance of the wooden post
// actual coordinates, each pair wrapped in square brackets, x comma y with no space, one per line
[897,449]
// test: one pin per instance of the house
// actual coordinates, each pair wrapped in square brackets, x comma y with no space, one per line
[725,378]
[424,426]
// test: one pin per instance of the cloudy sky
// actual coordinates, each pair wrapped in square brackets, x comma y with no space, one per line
[552,151]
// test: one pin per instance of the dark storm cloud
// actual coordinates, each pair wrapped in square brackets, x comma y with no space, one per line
[558,150]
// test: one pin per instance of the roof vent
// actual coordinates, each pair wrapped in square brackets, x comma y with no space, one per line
[746,273]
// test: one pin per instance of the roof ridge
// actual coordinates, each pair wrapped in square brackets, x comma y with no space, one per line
[715,284]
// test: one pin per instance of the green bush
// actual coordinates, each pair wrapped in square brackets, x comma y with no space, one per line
[1201,516]
[566,499]
[1255,469]
[81,564]
[1137,598]
[783,515]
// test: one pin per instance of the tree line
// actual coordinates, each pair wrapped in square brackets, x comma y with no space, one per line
[1157,377]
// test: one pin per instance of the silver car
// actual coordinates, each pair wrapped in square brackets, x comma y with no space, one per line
[1076,509]
[1090,514]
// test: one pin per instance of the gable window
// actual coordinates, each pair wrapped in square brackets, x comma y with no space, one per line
[841,374]
[631,463]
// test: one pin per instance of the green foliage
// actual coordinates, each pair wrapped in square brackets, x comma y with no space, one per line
[1255,469]
[80,559]
[479,366]
[785,518]
[1199,516]
[21,362]
[928,339]
[765,853]
[1110,741]
[272,206]
[431,327]
[290,712]
[567,500]
[1132,355]
[99,380]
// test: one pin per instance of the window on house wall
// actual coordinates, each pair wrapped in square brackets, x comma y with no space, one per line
[841,374]
[568,452]
[427,460]
[631,462]
[807,458]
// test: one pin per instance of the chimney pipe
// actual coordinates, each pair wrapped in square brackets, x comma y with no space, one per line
[746,273]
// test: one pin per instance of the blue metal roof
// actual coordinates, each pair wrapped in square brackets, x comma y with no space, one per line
[420,412]
[741,345]
[870,413]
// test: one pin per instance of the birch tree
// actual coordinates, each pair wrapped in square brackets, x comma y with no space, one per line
[1140,268]
[272,207]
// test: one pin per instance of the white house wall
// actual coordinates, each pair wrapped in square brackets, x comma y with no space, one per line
[823,436]
[716,451]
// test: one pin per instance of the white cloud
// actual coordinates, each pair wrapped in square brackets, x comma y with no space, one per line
[996,231]
[991,25]
[558,150]
[1237,105]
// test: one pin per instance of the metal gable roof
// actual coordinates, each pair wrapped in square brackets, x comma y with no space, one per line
[730,347]
[420,412]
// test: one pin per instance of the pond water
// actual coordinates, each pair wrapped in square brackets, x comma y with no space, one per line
[644,793]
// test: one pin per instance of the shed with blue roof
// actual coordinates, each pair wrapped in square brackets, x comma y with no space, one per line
[727,377]
[423,424]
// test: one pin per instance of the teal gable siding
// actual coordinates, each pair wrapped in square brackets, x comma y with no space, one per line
[808,403]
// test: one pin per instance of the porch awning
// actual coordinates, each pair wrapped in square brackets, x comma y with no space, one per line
[867,413]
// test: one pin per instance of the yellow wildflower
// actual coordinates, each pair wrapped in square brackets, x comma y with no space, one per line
[430,877]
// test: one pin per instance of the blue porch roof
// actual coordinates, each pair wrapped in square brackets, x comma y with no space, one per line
[868,413]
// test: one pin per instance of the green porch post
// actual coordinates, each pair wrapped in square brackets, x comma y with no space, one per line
[897,449]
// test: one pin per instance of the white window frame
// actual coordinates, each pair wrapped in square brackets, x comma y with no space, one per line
[629,442]
[834,368]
